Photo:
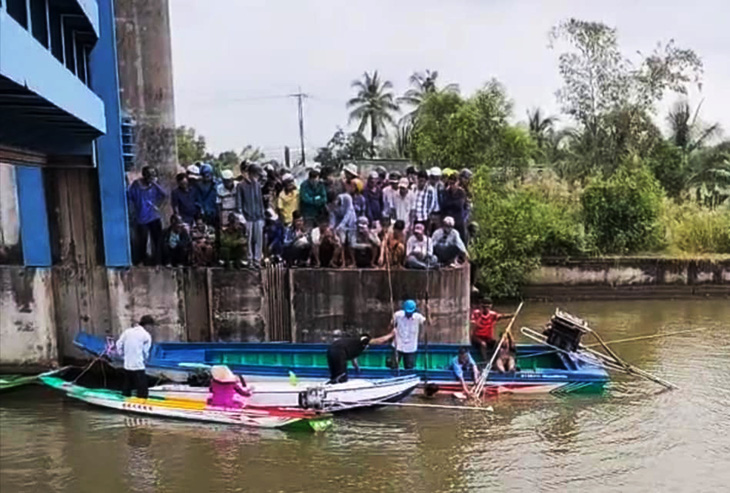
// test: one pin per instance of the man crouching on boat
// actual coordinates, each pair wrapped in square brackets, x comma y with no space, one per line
[134,345]
[348,349]
[462,364]
[226,389]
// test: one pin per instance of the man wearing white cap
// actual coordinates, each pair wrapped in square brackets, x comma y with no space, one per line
[419,250]
[447,244]
[403,203]
[193,172]
[226,192]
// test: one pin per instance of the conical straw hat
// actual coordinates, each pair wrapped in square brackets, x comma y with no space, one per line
[223,374]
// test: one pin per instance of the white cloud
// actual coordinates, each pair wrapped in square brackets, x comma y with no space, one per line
[231,58]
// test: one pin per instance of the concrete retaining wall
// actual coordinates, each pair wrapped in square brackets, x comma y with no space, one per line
[27,328]
[40,307]
[629,277]
[350,301]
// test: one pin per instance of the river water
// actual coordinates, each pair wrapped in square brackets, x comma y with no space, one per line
[635,438]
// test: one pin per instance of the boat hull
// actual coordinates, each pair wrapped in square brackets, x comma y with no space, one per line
[192,410]
[358,392]
[541,370]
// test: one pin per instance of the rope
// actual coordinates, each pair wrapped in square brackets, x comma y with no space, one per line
[106,350]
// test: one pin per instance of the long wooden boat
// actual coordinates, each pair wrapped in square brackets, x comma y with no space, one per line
[193,410]
[355,393]
[8,382]
[540,369]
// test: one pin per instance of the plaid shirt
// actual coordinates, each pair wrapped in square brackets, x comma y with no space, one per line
[424,203]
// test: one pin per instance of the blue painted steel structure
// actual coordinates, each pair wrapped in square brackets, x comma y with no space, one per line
[112,184]
[59,96]
[33,217]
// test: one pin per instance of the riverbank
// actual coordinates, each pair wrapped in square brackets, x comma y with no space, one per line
[605,278]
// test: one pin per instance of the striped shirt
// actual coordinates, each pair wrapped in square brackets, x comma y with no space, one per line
[424,202]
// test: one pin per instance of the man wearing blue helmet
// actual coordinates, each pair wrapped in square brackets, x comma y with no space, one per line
[405,328]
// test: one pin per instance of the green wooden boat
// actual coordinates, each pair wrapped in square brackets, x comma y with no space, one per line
[8,382]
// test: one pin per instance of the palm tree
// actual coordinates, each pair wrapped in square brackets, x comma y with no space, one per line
[373,106]
[687,132]
[541,127]
[422,84]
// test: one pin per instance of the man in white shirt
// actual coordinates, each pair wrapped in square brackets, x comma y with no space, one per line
[447,244]
[405,329]
[402,202]
[134,345]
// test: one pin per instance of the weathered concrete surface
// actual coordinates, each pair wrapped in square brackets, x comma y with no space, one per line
[148,291]
[27,328]
[237,305]
[10,249]
[146,86]
[41,307]
[81,299]
[629,277]
[197,313]
[328,303]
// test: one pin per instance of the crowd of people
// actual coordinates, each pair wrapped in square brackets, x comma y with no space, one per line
[417,220]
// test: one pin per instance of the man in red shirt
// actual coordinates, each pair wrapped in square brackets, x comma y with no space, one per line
[483,320]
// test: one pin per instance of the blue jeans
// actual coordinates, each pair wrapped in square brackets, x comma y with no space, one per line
[430,262]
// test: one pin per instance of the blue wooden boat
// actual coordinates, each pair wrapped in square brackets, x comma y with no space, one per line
[540,370]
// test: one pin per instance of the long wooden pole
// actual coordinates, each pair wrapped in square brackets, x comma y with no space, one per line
[432,406]
[630,368]
[608,362]
[621,341]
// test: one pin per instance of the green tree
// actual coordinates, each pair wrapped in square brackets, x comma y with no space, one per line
[190,146]
[608,95]
[373,107]
[621,213]
[541,127]
[709,175]
[518,226]
[686,130]
[342,148]
[454,132]
[422,84]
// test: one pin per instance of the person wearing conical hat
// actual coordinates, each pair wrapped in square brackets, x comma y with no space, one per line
[226,389]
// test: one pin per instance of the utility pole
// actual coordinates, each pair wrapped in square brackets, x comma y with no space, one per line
[300,96]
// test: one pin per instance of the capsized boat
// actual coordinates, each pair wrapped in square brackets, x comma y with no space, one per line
[356,393]
[193,410]
[540,368]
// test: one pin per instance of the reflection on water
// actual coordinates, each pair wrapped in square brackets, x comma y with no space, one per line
[636,437]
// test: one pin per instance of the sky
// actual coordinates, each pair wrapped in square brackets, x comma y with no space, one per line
[236,61]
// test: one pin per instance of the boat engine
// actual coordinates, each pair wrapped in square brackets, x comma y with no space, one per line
[565,330]
[312,398]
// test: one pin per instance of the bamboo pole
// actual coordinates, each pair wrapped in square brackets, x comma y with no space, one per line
[426,406]
[630,368]
[621,341]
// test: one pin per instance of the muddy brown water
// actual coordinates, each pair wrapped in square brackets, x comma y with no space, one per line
[635,437]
